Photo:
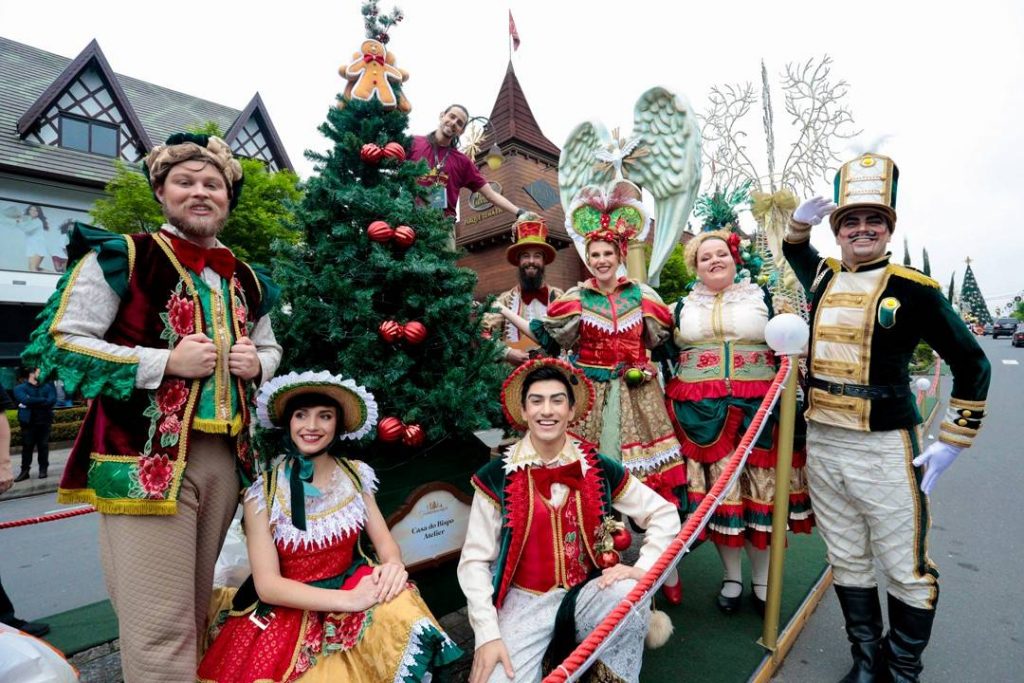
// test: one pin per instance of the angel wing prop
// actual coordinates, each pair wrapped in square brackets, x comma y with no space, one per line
[662,156]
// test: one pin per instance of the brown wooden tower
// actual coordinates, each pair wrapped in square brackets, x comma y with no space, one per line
[528,177]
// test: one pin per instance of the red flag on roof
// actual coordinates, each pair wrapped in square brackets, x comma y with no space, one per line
[512,31]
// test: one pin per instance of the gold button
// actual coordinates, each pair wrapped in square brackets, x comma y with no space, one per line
[966,413]
[962,422]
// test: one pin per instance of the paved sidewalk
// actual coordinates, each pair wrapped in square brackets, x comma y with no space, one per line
[35,486]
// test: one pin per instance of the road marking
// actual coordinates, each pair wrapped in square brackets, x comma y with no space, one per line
[1010,362]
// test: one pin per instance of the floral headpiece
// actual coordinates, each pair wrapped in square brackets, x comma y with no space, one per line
[616,216]
[748,261]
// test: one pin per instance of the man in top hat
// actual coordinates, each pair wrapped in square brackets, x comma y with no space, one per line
[868,478]
[169,334]
[530,253]
[548,491]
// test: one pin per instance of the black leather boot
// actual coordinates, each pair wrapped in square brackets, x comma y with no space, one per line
[863,614]
[910,628]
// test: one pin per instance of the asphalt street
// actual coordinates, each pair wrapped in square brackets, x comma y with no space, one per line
[977,541]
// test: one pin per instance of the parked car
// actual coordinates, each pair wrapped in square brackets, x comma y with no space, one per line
[1003,327]
[987,330]
[1018,335]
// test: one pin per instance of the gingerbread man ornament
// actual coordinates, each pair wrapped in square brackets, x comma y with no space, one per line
[370,75]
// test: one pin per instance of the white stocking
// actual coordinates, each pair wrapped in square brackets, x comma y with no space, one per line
[758,570]
[732,563]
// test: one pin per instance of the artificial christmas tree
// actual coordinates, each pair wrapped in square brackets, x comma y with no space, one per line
[385,305]
[972,303]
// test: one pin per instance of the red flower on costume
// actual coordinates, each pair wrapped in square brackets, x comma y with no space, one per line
[155,473]
[738,361]
[707,359]
[170,425]
[181,315]
[171,396]
[349,628]
[755,357]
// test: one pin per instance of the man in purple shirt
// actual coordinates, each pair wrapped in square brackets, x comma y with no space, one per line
[450,169]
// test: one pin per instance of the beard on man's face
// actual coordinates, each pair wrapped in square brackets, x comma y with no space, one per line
[531,278]
[209,226]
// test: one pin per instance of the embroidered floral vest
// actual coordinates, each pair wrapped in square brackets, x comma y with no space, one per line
[130,455]
[611,327]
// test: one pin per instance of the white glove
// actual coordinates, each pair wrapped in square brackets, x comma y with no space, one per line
[936,459]
[813,210]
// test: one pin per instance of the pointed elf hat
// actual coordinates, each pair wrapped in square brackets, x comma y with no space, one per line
[358,404]
[529,232]
[867,182]
[512,391]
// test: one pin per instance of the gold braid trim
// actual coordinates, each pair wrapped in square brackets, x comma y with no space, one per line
[957,403]
[913,275]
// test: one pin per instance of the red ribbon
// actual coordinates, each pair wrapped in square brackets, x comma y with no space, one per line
[570,475]
[196,258]
[373,58]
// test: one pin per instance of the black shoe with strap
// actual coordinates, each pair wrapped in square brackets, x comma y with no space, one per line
[910,629]
[758,602]
[726,604]
[863,614]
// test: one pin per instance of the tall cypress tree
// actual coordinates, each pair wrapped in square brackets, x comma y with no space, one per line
[906,253]
[952,286]
[926,266]
[349,300]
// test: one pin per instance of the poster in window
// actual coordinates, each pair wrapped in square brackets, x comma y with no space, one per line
[35,236]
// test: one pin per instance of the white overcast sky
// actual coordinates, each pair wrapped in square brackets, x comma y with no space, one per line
[943,81]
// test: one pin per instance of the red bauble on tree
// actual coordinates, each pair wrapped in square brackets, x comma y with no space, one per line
[404,236]
[413,436]
[380,231]
[414,332]
[394,150]
[390,429]
[390,331]
[371,153]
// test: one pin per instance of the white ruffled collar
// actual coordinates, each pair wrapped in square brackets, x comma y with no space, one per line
[522,454]
[738,291]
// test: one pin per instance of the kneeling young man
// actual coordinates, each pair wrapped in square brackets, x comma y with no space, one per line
[551,491]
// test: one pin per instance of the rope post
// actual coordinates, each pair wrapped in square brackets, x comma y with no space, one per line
[787,334]
[636,261]
[780,513]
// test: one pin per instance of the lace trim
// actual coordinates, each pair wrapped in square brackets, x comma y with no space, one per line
[410,664]
[521,455]
[339,512]
[703,297]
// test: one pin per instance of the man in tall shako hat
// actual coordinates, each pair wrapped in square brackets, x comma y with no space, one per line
[540,567]
[530,253]
[169,334]
[868,478]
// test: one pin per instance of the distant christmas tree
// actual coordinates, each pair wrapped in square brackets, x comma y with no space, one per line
[926,265]
[373,291]
[971,300]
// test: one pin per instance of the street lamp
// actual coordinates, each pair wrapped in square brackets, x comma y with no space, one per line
[475,136]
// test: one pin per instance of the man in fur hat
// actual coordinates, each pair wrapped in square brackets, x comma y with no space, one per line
[168,333]
[868,479]
[553,491]
[530,253]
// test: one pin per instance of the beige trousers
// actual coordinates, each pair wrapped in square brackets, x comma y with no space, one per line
[869,509]
[159,569]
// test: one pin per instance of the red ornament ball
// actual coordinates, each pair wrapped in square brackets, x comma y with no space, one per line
[607,558]
[414,332]
[404,236]
[394,150]
[390,331]
[621,539]
[371,153]
[390,429]
[380,231]
[413,436]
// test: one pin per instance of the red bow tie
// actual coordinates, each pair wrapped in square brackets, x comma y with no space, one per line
[373,58]
[540,295]
[196,258]
[570,475]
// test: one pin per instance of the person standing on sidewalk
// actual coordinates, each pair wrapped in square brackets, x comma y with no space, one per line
[35,415]
[170,335]
[6,482]
[869,481]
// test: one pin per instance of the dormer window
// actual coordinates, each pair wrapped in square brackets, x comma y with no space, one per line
[88,135]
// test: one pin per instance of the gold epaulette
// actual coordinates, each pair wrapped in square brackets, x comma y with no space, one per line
[913,275]
[834,264]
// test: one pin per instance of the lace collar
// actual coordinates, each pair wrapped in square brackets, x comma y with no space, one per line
[522,454]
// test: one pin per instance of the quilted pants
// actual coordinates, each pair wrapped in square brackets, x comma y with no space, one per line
[865,495]
[159,569]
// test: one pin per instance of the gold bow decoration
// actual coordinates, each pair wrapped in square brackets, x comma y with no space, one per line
[763,203]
